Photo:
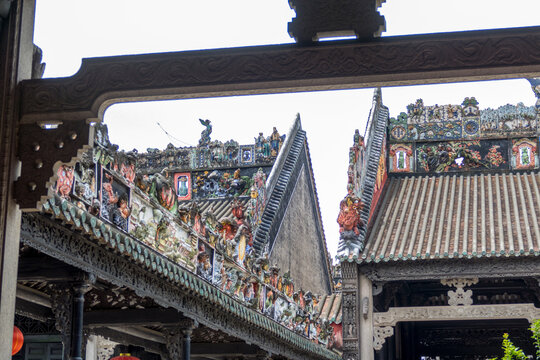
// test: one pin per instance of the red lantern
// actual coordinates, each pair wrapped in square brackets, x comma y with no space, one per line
[18,340]
[125,356]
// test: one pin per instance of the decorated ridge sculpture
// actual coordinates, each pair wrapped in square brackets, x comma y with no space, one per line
[350,223]
[173,211]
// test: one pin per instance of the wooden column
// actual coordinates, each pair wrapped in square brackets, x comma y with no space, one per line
[186,348]
[16,49]
[77,310]
[365,330]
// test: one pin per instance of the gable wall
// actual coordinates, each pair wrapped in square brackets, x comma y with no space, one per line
[298,245]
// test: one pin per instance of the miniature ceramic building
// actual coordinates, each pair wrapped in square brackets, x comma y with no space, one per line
[439,232]
[176,239]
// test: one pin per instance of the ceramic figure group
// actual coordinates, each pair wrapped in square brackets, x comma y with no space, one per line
[161,210]
[465,121]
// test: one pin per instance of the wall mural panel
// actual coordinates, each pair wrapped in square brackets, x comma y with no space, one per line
[462,156]
[211,184]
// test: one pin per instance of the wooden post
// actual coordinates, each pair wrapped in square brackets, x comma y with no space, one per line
[77,321]
[365,291]
[186,348]
[16,53]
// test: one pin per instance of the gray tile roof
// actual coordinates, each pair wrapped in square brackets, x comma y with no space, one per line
[457,216]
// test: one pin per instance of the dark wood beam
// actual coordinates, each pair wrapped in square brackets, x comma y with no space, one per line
[388,61]
[226,349]
[33,310]
[515,267]
[132,317]
[45,268]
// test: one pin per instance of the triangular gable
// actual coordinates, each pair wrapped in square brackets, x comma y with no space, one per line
[292,216]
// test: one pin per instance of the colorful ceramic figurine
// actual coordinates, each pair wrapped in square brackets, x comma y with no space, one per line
[205,134]
[65,181]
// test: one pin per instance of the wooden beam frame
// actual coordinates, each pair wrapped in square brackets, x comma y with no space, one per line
[388,61]
[132,317]
[72,103]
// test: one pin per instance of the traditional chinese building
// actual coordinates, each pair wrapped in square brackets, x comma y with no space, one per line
[159,247]
[45,123]
[439,232]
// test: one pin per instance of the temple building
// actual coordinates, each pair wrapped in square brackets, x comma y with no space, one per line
[439,232]
[200,248]
[92,247]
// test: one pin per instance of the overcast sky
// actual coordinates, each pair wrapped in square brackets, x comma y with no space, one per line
[69,30]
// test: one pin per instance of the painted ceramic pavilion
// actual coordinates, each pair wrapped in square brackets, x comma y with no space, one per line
[439,231]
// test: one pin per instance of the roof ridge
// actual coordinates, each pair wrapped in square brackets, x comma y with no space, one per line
[376,134]
[280,181]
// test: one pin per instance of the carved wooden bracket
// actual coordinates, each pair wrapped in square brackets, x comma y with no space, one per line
[380,333]
[322,18]
[42,150]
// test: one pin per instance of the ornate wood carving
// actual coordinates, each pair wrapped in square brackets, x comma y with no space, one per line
[61,306]
[448,313]
[460,296]
[56,241]
[418,59]
[323,18]
[105,348]
[380,333]
[504,267]
[173,342]
[350,310]
[39,151]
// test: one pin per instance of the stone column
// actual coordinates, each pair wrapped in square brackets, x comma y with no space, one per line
[16,53]
[365,292]
[350,306]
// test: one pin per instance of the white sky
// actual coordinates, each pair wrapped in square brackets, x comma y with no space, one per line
[68,30]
